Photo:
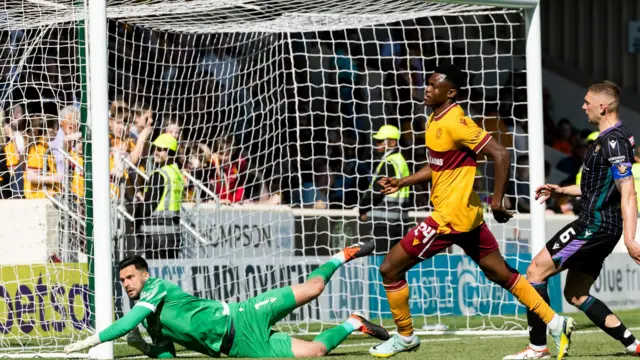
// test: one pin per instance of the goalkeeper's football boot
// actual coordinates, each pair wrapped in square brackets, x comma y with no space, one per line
[562,338]
[393,346]
[370,328]
[529,353]
[358,250]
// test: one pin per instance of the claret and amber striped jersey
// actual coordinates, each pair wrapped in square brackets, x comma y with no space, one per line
[453,141]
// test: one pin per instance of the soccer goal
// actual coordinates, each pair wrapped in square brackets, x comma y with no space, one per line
[273,104]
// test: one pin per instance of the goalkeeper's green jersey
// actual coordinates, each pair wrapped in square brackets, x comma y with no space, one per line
[197,324]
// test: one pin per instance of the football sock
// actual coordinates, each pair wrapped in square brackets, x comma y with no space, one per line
[326,270]
[597,312]
[537,327]
[529,297]
[398,297]
[335,336]
[339,257]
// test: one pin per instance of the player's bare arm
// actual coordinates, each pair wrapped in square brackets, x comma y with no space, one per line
[501,160]
[629,206]
[392,185]
[546,191]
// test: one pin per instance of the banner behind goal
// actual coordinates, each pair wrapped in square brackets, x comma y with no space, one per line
[274,105]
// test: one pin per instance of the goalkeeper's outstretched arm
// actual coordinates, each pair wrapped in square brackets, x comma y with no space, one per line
[118,329]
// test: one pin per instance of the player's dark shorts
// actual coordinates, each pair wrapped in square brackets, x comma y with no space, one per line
[425,241]
[576,247]
[253,320]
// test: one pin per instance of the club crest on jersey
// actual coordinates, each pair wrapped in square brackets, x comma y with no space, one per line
[438,133]
[622,169]
[632,141]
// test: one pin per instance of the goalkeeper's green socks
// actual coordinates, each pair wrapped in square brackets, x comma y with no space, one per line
[326,270]
[335,336]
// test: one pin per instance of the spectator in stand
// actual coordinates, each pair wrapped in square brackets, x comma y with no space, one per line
[140,132]
[67,135]
[571,165]
[121,147]
[198,164]
[564,137]
[141,115]
[256,190]
[228,168]
[118,105]
[77,170]
[14,151]
[41,174]
[5,191]
[172,127]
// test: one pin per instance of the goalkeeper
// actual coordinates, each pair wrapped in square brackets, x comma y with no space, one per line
[213,327]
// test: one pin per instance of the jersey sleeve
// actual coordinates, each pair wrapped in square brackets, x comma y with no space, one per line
[619,154]
[152,294]
[125,324]
[467,133]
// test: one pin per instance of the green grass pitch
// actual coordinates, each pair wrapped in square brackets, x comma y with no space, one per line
[589,342]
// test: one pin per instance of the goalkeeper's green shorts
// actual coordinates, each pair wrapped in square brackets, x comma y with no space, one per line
[253,319]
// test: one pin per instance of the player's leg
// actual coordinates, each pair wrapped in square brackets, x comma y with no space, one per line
[276,304]
[314,286]
[331,338]
[417,245]
[542,267]
[254,318]
[576,292]
[482,247]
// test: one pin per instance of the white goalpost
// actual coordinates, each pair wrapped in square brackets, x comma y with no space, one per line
[273,104]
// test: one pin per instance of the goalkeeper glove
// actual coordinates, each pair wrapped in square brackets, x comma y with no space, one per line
[87,343]
[135,340]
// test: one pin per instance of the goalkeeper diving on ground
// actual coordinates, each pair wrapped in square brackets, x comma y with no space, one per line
[213,327]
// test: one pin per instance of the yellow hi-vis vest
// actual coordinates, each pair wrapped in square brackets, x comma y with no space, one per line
[394,203]
[163,218]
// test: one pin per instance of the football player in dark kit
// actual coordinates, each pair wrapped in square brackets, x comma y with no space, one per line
[608,210]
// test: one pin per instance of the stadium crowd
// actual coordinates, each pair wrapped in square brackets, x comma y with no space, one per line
[233,137]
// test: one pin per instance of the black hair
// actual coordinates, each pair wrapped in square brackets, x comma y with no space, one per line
[138,261]
[452,74]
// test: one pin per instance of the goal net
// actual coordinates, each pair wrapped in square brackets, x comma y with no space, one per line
[273,105]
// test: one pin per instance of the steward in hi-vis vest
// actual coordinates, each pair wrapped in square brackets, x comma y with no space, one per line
[386,213]
[162,201]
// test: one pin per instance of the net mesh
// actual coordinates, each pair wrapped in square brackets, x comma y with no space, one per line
[273,104]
